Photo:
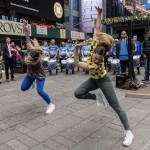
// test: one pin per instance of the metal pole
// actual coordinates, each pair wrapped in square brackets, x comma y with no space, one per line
[130,59]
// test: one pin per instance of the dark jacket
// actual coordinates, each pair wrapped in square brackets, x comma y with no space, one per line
[5,53]
[118,46]
[146,45]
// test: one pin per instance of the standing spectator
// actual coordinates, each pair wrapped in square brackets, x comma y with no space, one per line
[122,52]
[9,57]
[146,48]
[138,50]
[112,53]
[53,49]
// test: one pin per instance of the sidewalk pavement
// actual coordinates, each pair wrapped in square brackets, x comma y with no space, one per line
[74,125]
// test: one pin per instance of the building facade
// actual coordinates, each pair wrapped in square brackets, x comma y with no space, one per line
[119,11]
[72,15]
[42,22]
[80,15]
[89,14]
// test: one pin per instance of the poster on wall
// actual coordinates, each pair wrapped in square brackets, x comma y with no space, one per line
[89,14]
[41,30]
[62,34]
[12,28]
[77,35]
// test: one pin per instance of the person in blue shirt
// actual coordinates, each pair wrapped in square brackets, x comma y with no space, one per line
[53,49]
[138,50]
[63,54]
[86,49]
[63,50]
[45,48]
[112,54]
[122,52]
[70,52]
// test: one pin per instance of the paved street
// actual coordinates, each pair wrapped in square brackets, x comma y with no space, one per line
[74,125]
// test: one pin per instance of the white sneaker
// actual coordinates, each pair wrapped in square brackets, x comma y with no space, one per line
[100,99]
[128,138]
[50,108]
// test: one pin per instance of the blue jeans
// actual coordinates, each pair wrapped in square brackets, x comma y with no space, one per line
[27,82]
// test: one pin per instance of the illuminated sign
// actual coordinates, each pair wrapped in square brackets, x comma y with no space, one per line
[49,9]
[58,10]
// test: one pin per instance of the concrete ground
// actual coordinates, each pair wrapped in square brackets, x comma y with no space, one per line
[74,125]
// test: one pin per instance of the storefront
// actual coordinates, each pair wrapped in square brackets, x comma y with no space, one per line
[140,25]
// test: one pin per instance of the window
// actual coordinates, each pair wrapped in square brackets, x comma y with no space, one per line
[76,5]
[67,19]
[75,22]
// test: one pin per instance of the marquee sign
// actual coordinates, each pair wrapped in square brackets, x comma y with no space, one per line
[12,28]
[117,20]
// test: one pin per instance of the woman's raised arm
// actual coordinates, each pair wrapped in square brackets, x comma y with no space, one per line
[98,22]
[27,34]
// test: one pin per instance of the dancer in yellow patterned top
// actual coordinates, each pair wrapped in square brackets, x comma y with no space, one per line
[101,43]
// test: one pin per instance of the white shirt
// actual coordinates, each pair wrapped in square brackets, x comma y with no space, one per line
[9,49]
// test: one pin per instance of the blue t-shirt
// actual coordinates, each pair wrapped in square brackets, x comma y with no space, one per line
[70,50]
[86,49]
[45,47]
[138,48]
[53,49]
[123,50]
[63,51]
[112,52]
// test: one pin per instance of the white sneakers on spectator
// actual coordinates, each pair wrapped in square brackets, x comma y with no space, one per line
[100,99]
[128,139]
[50,108]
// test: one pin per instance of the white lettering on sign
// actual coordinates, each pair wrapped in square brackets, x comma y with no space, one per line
[26,1]
[58,10]
[12,28]
[14,19]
